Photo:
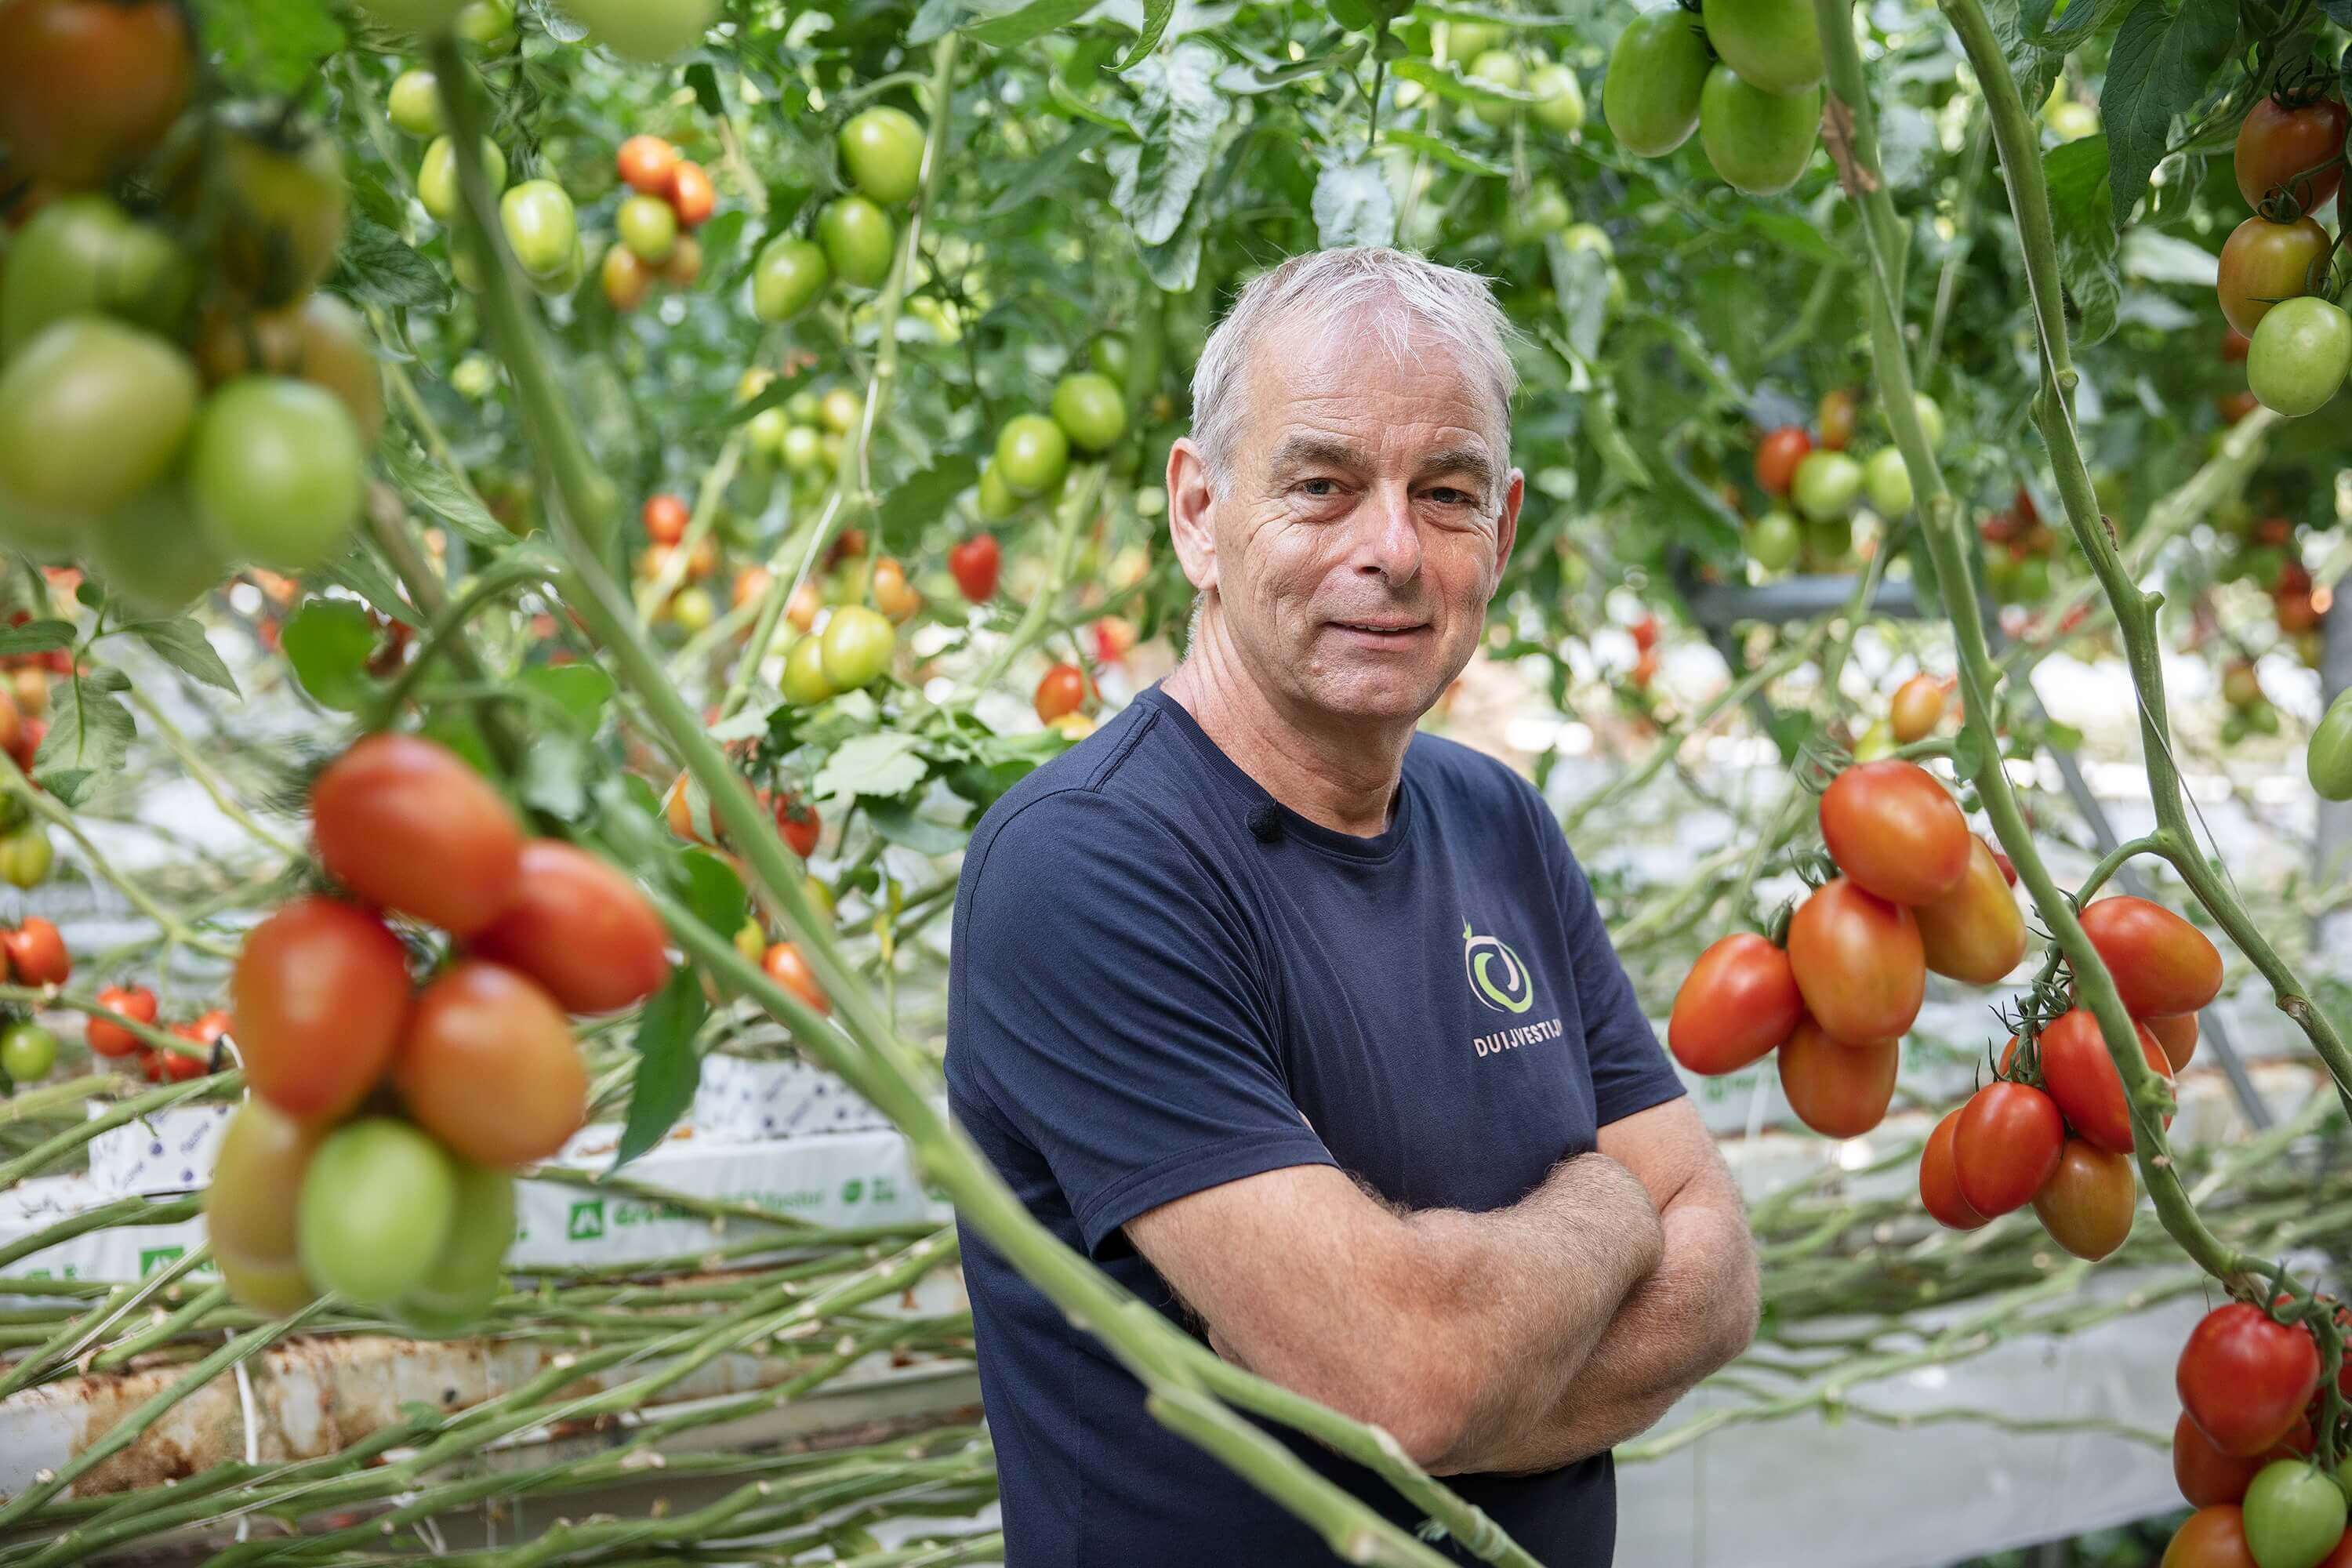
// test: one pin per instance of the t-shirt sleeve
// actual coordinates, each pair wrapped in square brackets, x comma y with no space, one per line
[1631,1071]
[1106,1007]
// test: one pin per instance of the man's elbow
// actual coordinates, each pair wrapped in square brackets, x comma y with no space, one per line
[1740,1313]
[1432,1416]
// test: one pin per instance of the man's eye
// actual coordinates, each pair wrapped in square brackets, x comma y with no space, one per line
[1320,488]
[1445,495]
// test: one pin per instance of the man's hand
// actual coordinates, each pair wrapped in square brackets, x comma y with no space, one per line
[1459,1334]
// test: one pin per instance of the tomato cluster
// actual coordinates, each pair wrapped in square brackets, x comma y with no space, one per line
[881,152]
[2275,281]
[671,198]
[2250,1389]
[1814,472]
[374,1159]
[687,811]
[1746,75]
[541,227]
[173,397]
[2019,550]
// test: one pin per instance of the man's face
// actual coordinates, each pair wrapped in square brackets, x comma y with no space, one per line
[1365,526]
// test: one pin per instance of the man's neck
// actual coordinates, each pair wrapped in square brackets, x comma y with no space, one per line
[1341,774]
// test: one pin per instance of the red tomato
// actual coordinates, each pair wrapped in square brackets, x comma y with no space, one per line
[1939,1179]
[1895,831]
[37,954]
[1974,933]
[2277,141]
[1837,418]
[788,969]
[2212,1538]
[488,1066]
[1776,457]
[975,562]
[92,84]
[1858,963]
[1063,690]
[645,165]
[2245,1379]
[319,994]
[2264,262]
[1915,709]
[2208,1476]
[402,822]
[690,194]
[2081,1076]
[2087,1204]
[1838,1090]
[1738,1002]
[678,807]
[798,822]
[171,1067]
[2006,1144]
[2162,965]
[109,1038]
[2178,1036]
[209,1026]
[581,928]
[1646,634]
[666,517]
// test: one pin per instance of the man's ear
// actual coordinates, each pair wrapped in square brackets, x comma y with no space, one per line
[1190,527]
[1506,526]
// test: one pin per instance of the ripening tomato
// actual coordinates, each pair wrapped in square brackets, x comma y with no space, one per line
[2207,1475]
[2264,262]
[788,969]
[2162,965]
[1757,141]
[685,263]
[1836,418]
[402,822]
[319,342]
[1657,72]
[892,595]
[320,993]
[666,517]
[645,164]
[691,195]
[1738,1002]
[109,1038]
[797,822]
[250,1207]
[2212,1538]
[488,1066]
[2176,1035]
[2081,1076]
[1839,1090]
[92,84]
[1916,708]
[2245,1379]
[2006,1145]
[2278,141]
[626,279]
[283,209]
[2295,1514]
[1062,690]
[1975,933]
[1895,831]
[467,1276]
[1776,457]
[1939,1179]
[1858,963]
[976,562]
[2087,1204]
[208,1026]
[37,952]
[581,928]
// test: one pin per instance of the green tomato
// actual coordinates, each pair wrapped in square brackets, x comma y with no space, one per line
[859,642]
[1757,141]
[2301,350]
[1469,40]
[858,237]
[803,683]
[2263,719]
[1888,483]
[2330,758]
[787,278]
[427,17]
[542,231]
[882,148]
[488,25]
[1090,411]
[1829,539]
[1032,455]
[1589,236]
[1775,540]
[152,555]
[1111,354]
[994,499]
[1657,73]
[277,472]
[26,856]
[802,448]
[1931,419]
[765,432]
[693,609]
[648,226]
[27,1051]
[1827,485]
[91,412]
[1774,45]
[1497,67]
[643,29]
[2030,584]
[1545,211]
[474,376]
[1559,98]
[465,1278]
[282,210]
[415,105]
[379,1205]
[830,446]
[840,410]
[437,178]
[2295,1514]
[83,253]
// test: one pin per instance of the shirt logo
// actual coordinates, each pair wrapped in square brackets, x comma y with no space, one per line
[1497,976]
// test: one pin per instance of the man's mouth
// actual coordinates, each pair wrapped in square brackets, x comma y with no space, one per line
[1384,630]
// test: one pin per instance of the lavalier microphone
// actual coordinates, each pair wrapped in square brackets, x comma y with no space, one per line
[1266,823]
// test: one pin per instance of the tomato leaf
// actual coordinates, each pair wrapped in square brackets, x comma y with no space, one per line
[90,734]
[1253,76]
[1047,172]
[1183,112]
[359,570]
[273,49]
[581,689]
[182,643]
[555,774]
[378,267]
[1003,29]
[36,636]
[1155,25]
[328,643]
[1448,81]
[1353,206]
[1445,153]
[2159,67]
[667,1067]
[2082,216]
[430,486]
[921,498]
[900,824]
[709,887]
[882,764]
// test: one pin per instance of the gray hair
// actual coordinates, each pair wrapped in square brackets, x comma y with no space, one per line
[1393,292]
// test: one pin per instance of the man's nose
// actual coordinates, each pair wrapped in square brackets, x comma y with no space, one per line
[1386,539]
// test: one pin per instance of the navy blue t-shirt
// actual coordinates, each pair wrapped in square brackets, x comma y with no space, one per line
[1146,999]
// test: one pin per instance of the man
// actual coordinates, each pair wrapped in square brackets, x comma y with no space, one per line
[1304,1025]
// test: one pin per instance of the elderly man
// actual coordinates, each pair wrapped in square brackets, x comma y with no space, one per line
[1304,1026]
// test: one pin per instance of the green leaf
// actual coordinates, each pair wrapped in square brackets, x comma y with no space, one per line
[1251,77]
[555,772]
[431,487]
[888,764]
[1183,112]
[1448,81]
[90,734]
[1155,25]
[1005,29]
[1356,15]
[704,80]
[917,501]
[2083,221]
[182,645]
[581,690]
[328,643]
[711,890]
[900,824]
[667,1067]
[378,267]
[1049,171]
[36,636]
[1353,206]
[1174,267]
[2159,67]
[275,48]
[1445,153]
[361,571]
[2154,258]
[1799,237]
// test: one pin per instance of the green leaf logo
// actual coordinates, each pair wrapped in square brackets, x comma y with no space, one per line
[1497,976]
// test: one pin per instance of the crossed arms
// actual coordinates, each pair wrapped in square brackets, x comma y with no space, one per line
[1517,1341]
